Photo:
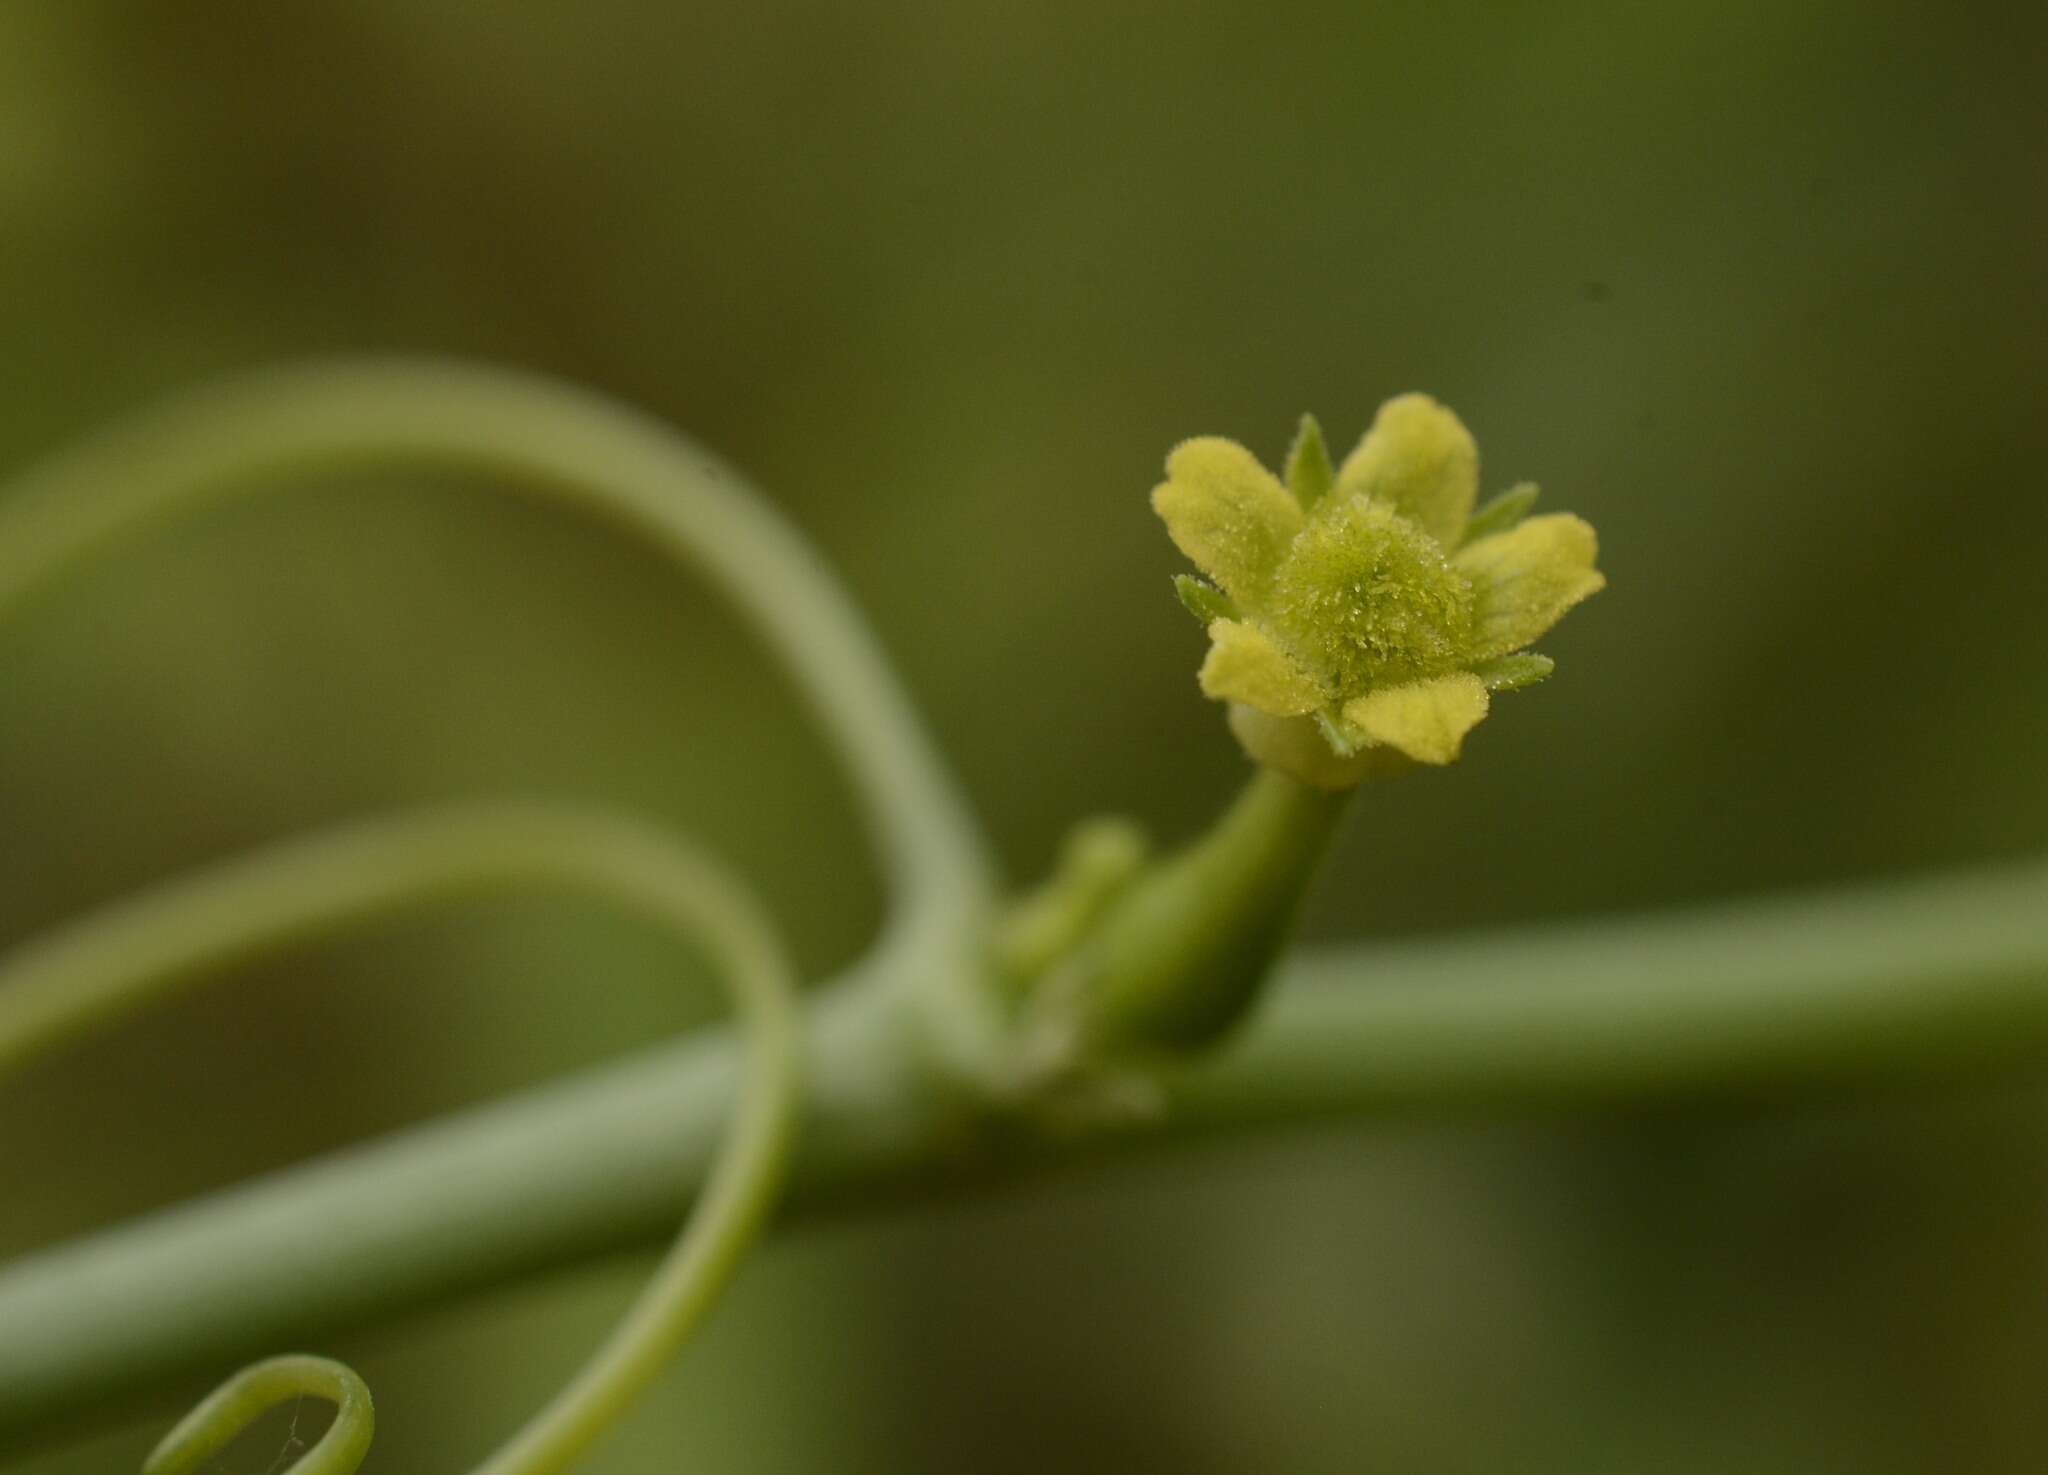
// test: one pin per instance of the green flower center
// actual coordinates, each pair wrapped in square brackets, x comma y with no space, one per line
[1368,599]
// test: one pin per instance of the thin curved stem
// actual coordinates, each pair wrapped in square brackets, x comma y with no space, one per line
[552,440]
[253,1392]
[545,438]
[145,948]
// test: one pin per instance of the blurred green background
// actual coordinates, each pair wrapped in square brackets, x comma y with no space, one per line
[1756,287]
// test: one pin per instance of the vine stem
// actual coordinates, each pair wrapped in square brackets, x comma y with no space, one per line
[1884,985]
[1894,983]
[547,439]
[149,947]
[254,1391]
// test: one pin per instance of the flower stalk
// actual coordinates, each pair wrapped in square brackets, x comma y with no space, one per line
[1180,957]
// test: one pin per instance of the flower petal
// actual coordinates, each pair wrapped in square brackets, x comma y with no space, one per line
[1427,720]
[1525,579]
[1419,459]
[1227,513]
[1244,665]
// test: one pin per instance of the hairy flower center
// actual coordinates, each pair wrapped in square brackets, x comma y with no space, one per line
[1367,599]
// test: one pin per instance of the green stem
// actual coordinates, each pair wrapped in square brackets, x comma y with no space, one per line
[1181,954]
[254,1391]
[739,1194]
[147,947]
[1907,982]
[1921,980]
[551,440]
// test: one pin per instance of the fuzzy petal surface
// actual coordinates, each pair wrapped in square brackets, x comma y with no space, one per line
[1244,665]
[1525,579]
[1228,514]
[1420,460]
[1426,720]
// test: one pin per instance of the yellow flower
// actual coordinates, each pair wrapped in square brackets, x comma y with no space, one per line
[1362,616]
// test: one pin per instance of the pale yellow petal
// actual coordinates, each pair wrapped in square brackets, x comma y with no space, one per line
[1525,579]
[1427,720]
[1244,665]
[1227,513]
[1419,459]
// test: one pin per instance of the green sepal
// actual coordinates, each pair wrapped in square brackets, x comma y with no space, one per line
[1204,601]
[1309,472]
[1512,673]
[1501,513]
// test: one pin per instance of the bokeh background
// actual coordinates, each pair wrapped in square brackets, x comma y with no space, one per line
[1756,287]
